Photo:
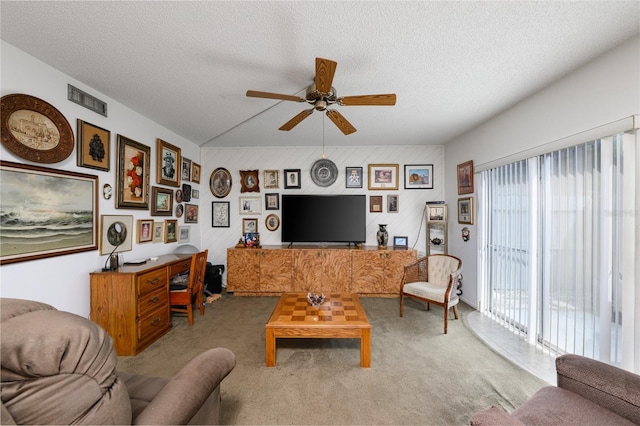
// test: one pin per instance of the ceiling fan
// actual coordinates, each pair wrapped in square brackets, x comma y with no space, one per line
[321,94]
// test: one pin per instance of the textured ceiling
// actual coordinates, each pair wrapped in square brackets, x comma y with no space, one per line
[187,65]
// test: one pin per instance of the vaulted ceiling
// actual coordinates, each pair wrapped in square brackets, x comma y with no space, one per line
[187,65]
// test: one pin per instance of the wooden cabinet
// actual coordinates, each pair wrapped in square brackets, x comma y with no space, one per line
[132,303]
[258,270]
[321,270]
[379,272]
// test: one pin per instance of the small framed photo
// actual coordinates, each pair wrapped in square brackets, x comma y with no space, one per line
[272,222]
[116,234]
[249,181]
[145,229]
[393,204]
[94,146]
[272,179]
[184,234]
[179,210]
[252,239]
[465,211]
[195,172]
[195,194]
[272,201]
[383,176]
[186,192]
[250,205]
[375,203]
[465,178]
[158,232]
[168,164]
[400,242]
[249,226]
[170,231]
[292,179]
[220,214]
[190,213]
[186,169]
[354,177]
[418,176]
[161,201]
[436,213]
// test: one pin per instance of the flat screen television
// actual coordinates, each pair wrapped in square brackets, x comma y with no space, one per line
[323,218]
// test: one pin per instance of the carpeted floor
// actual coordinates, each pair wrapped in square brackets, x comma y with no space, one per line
[418,375]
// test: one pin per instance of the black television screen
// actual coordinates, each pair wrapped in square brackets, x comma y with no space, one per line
[323,218]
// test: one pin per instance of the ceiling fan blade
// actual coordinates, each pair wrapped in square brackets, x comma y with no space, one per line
[325,70]
[296,120]
[341,122]
[384,99]
[268,95]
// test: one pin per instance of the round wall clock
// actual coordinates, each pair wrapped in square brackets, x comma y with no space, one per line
[324,172]
[220,182]
[34,129]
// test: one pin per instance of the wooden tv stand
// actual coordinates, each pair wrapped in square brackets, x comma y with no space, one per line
[273,270]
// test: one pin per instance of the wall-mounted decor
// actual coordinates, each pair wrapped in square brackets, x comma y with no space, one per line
[195,193]
[272,179]
[220,214]
[437,213]
[161,201]
[272,222]
[465,178]
[195,172]
[191,213]
[116,234]
[249,180]
[158,232]
[184,234]
[179,196]
[107,191]
[418,176]
[375,203]
[145,229]
[185,169]
[250,205]
[220,182]
[132,178]
[393,203]
[292,179]
[354,177]
[465,210]
[34,129]
[170,231]
[56,208]
[168,163]
[272,201]
[93,146]
[324,172]
[383,176]
[179,210]
[186,192]
[249,225]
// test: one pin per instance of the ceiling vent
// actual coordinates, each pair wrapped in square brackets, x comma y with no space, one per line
[86,100]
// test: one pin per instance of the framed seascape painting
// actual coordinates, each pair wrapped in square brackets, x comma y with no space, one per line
[132,178]
[56,208]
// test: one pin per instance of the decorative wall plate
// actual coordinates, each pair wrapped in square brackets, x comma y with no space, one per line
[34,129]
[220,182]
[324,172]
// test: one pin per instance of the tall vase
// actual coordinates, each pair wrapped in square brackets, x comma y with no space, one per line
[383,236]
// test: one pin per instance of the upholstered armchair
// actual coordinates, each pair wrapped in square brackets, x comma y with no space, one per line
[60,368]
[433,279]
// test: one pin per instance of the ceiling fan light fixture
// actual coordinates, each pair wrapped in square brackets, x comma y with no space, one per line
[320,105]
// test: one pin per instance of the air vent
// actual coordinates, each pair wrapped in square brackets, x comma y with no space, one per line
[86,100]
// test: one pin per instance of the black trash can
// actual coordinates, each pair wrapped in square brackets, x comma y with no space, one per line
[213,279]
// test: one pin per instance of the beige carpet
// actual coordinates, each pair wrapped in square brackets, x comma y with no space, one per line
[418,375]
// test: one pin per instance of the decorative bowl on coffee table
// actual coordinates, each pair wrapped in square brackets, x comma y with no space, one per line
[315,299]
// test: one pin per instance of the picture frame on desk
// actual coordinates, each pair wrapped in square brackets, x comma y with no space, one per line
[400,242]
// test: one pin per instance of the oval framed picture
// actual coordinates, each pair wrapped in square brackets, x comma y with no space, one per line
[272,222]
[220,182]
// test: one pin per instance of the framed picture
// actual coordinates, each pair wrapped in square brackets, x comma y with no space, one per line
[436,213]
[145,229]
[375,203]
[195,194]
[249,226]
[21,114]
[252,239]
[383,176]
[220,214]
[220,182]
[272,179]
[354,177]
[132,177]
[170,231]
[250,205]
[249,181]
[195,172]
[186,192]
[418,176]
[184,234]
[465,178]
[116,234]
[158,232]
[393,203]
[185,169]
[400,242]
[36,201]
[161,201]
[168,164]
[191,213]
[272,222]
[179,196]
[272,201]
[179,210]
[93,146]
[465,210]
[292,179]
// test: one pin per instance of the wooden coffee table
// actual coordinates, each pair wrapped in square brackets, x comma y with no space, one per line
[339,317]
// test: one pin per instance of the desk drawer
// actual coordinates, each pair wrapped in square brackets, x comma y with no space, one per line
[180,267]
[153,323]
[152,281]
[151,301]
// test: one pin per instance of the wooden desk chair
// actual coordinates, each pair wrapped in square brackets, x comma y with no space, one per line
[183,299]
[433,279]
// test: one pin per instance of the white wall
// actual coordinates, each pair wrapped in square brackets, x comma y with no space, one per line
[603,91]
[63,281]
